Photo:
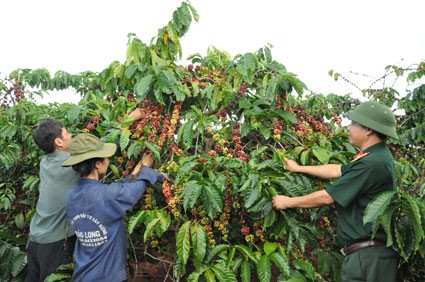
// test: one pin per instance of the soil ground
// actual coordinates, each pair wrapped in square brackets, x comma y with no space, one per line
[150,272]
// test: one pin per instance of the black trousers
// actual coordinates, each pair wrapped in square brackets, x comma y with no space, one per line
[44,259]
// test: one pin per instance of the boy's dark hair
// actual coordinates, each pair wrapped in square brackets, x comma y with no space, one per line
[86,167]
[45,134]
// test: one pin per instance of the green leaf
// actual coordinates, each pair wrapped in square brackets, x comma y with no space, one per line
[223,274]
[209,276]
[377,206]
[183,243]
[73,113]
[153,148]
[269,247]
[135,149]
[321,154]
[305,157]
[264,271]
[124,139]
[307,267]
[270,218]
[217,250]
[188,134]
[150,228]
[194,276]
[194,12]
[253,194]
[212,200]
[129,71]
[112,136]
[246,271]
[134,220]
[127,121]
[413,213]
[254,112]
[244,103]
[19,263]
[142,87]
[288,116]
[266,132]
[199,241]
[386,222]
[58,277]
[190,195]
[158,223]
[281,262]
[247,252]
[19,220]
[263,206]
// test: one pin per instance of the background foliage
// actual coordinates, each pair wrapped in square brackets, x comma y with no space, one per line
[219,127]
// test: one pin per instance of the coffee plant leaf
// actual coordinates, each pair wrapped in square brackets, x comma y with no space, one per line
[264,268]
[377,207]
[183,243]
[223,274]
[199,241]
[281,262]
[246,271]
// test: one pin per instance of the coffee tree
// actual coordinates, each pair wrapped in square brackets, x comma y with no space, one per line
[219,127]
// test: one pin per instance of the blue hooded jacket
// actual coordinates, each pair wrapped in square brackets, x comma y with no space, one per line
[96,213]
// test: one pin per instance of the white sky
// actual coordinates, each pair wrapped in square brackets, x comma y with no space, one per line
[310,37]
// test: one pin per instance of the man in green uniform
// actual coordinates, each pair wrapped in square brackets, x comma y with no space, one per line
[370,173]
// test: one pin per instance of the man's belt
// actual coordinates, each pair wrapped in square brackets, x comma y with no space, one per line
[359,245]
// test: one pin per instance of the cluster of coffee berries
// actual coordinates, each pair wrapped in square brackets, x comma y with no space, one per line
[130,98]
[202,76]
[175,148]
[210,235]
[153,117]
[277,132]
[149,199]
[222,115]
[242,89]
[13,95]
[224,146]
[155,120]
[316,124]
[259,231]
[239,152]
[171,195]
[336,119]
[174,119]
[93,123]
[222,226]
[171,167]
[279,100]
[164,133]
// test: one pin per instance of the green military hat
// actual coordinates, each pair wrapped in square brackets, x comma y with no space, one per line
[375,116]
[87,146]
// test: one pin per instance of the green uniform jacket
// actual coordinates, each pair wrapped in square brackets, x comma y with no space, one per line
[360,182]
[49,223]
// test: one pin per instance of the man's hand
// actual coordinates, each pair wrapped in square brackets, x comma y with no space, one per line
[291,165]
[147,159]
[281,202]
[138,113]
